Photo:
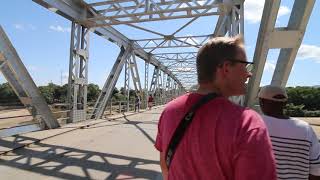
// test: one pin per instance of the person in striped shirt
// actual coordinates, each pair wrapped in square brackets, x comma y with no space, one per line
[294,142]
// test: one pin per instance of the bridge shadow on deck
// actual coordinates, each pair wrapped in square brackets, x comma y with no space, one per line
[63,162]
[70,163]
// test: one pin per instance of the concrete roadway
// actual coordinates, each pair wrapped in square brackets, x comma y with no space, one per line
[118,148]
[121,148]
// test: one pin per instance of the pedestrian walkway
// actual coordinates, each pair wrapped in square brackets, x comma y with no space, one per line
[118,148]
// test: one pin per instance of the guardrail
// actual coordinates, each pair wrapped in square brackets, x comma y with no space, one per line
[62,113]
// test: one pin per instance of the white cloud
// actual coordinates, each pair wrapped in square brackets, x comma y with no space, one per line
[59,28]
[309,52]
[18,26]
[269,67]
[283,10]
[254,8]
[24,26]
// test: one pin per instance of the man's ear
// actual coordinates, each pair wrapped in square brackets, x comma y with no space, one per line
[225,68]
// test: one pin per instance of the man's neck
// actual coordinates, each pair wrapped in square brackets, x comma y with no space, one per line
[208,88]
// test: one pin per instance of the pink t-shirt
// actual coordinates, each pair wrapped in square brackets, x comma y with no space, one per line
[224,141]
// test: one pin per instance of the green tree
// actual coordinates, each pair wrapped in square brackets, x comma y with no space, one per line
[307,96]
[7,94]
[122,91]
[48,93]
[115,91]
[93,92]
[293,110]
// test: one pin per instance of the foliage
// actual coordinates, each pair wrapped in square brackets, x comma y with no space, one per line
[295,111]
[303,101]
[93,92]
[312,113]
[47,92]
[7,94]
[307,96]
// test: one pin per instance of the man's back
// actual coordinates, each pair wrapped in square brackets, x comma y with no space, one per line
[224,141]
[296,148]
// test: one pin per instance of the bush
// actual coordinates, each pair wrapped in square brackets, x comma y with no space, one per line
[312,113]
[294,110]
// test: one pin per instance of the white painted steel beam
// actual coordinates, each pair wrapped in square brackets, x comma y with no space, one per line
[135,74]
[288,39]
[22,83]
[146,83]
[142,11]
[298,21]
[110,83]
[173,42]
[78,11]
[78,73]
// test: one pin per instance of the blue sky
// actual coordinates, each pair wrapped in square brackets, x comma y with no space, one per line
[42,40]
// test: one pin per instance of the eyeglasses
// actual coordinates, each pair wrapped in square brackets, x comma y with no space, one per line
[249,65]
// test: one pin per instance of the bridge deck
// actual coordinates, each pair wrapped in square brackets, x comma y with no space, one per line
[118,149]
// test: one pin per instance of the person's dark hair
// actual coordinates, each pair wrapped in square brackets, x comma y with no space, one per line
[214,53]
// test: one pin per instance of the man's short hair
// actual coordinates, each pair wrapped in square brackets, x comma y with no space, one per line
[215,52]
[273,93]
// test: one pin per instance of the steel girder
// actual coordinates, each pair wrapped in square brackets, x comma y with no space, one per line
[232,21]
[131,68]
[181,56]
[134,11]
[173,42]
[22,83]
[78,73]
[182,64]
[135,74]
[79,11]
[127,80]
[287,39]
[96,16]
[146,82]
[110,83]
[154,81]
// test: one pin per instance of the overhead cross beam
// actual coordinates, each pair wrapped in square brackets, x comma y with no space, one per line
[173,42]
[79,11]
[176,56]
[136,11]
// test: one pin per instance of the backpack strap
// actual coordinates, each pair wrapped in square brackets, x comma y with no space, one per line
[183,125]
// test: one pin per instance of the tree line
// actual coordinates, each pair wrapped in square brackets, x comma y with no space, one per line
[303,100]
[58,94]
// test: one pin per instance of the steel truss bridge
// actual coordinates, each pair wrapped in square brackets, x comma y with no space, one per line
[172,55]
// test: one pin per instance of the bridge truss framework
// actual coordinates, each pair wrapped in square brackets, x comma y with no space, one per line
[175,70]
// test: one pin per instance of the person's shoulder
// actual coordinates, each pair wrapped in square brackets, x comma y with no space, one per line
[237,110]
[242,116]
[299,122]
[302,125]
[251,119]
[177,102]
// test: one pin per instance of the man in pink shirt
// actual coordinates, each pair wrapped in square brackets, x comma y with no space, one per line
[224,140]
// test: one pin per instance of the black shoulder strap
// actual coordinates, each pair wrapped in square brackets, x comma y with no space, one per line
[183,125]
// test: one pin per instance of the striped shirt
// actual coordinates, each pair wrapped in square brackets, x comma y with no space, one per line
[296,148]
